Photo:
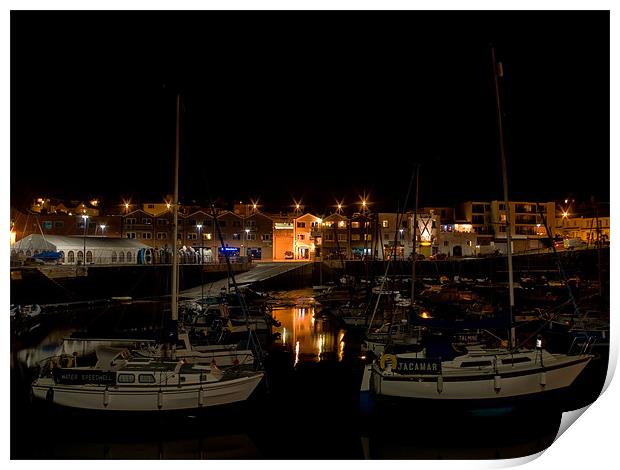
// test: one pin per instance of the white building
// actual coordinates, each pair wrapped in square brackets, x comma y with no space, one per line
[99,250]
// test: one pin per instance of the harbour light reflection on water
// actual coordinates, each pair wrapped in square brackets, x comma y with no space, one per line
[314,339]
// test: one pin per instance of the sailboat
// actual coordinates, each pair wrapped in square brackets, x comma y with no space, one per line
[122,381]
[440,372]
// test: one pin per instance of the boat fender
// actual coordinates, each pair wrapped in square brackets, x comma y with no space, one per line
[49,396]
[106,397]
[201,398]
[497,383]
[385,358]
[543,379]
[160,399]
[439,383]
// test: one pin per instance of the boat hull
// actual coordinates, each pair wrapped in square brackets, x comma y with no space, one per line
[484,387]
[146,398]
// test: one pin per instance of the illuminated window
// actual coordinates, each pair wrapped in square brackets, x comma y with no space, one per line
[342,224]
[385,224]
[355,225]
[368,237]
[236,236]
[355,236]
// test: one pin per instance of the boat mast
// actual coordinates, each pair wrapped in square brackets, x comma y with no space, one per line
[414,229]
[175,212]
[497,74]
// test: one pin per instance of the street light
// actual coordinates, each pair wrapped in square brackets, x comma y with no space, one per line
[202,284]
[199,227]
[102,226]
[247,235]
[85,219]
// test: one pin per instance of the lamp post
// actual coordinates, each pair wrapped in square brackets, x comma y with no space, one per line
[202,284]
[199,227]
[85,219]
[102,226]
[247,235]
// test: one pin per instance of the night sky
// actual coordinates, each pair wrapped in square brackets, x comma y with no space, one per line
[311,106]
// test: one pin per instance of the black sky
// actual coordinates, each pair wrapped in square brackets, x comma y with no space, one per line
[308,105]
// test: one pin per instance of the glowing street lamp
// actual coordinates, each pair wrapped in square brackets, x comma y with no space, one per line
[102,227]
[85,220]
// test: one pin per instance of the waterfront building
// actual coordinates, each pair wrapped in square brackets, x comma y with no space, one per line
[362,235]
[98,250]
[258,228]
[306,233]
[335,237]
[283,238]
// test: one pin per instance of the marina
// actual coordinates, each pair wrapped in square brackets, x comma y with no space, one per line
[358,235]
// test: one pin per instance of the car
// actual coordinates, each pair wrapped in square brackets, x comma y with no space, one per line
[288,255]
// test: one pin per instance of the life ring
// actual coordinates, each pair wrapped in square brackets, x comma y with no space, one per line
[387,357]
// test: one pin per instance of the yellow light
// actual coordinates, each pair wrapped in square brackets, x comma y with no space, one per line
[425,314]
[297,206]
[565,214]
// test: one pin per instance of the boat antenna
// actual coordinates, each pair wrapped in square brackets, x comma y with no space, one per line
[498,72]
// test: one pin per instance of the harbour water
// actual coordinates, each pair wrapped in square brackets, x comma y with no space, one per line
[306,408]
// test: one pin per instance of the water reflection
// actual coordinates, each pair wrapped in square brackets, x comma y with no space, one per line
[314,339]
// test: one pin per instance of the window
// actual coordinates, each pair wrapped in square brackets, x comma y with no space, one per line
[162,236]
[301,225]
[265,237]
[368,237]
[192,236]
[71,257]
[131,235]
[121,257]
[329,237]
[80,256]
[477,219]
[130,221]
[301,237]
[129,257]
[476,364]
[342,224]
[162,221]
[126,378]
[147,221]
[342,237]
[113,257]
[477,208]
[147,235]
[59,224]
[47,225]
[89,256]
[150,206]
[236,236]
[251,223]
[355,236]
[207,236]
[251,236]
[445,243]
[355,225]
[385,223]
[62,256]
[146,378]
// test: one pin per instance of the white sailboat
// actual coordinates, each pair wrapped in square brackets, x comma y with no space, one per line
[120,381]
[476,375]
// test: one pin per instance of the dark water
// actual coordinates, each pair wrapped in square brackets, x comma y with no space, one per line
[307,408]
